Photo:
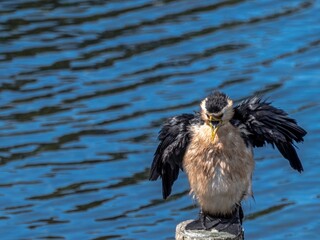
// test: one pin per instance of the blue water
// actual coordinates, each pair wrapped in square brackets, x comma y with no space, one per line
[85,86]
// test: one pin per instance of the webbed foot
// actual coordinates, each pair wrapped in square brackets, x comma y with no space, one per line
[231,224]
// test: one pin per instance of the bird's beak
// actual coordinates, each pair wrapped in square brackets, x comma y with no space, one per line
[215,125]
[214,129]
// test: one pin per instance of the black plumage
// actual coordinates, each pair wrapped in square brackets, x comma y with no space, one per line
[174,138]
[262,123]
[258,122]
[216,101]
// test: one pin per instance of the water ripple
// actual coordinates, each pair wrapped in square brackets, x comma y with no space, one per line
[86,85]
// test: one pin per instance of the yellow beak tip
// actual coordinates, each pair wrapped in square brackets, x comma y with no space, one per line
[214,131]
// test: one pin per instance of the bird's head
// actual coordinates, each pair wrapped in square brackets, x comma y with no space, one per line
[216,110]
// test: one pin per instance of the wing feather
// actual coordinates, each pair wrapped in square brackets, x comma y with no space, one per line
[174,138]
[262,123]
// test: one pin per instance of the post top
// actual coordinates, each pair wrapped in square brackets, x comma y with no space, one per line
[183,234]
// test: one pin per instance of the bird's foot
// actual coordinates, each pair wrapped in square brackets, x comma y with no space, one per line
[230,224]
[208,222]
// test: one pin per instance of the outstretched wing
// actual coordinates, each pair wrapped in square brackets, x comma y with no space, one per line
[174,138]
[262,123]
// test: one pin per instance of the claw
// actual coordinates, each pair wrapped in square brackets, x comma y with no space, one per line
[207,221]
[203,217]
[231,224]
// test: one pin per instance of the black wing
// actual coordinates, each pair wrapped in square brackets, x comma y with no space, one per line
[262,123]
[174,138]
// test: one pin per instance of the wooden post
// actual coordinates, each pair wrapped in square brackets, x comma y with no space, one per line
[183,234]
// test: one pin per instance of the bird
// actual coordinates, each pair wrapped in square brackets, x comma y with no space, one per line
[214,147]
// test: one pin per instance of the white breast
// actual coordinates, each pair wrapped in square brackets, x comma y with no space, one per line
[219,171]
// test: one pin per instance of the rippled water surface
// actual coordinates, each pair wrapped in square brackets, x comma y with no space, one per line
[85,86]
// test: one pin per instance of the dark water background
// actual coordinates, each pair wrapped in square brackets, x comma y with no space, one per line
[85,86]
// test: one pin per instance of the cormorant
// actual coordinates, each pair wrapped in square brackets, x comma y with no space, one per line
[214,148]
